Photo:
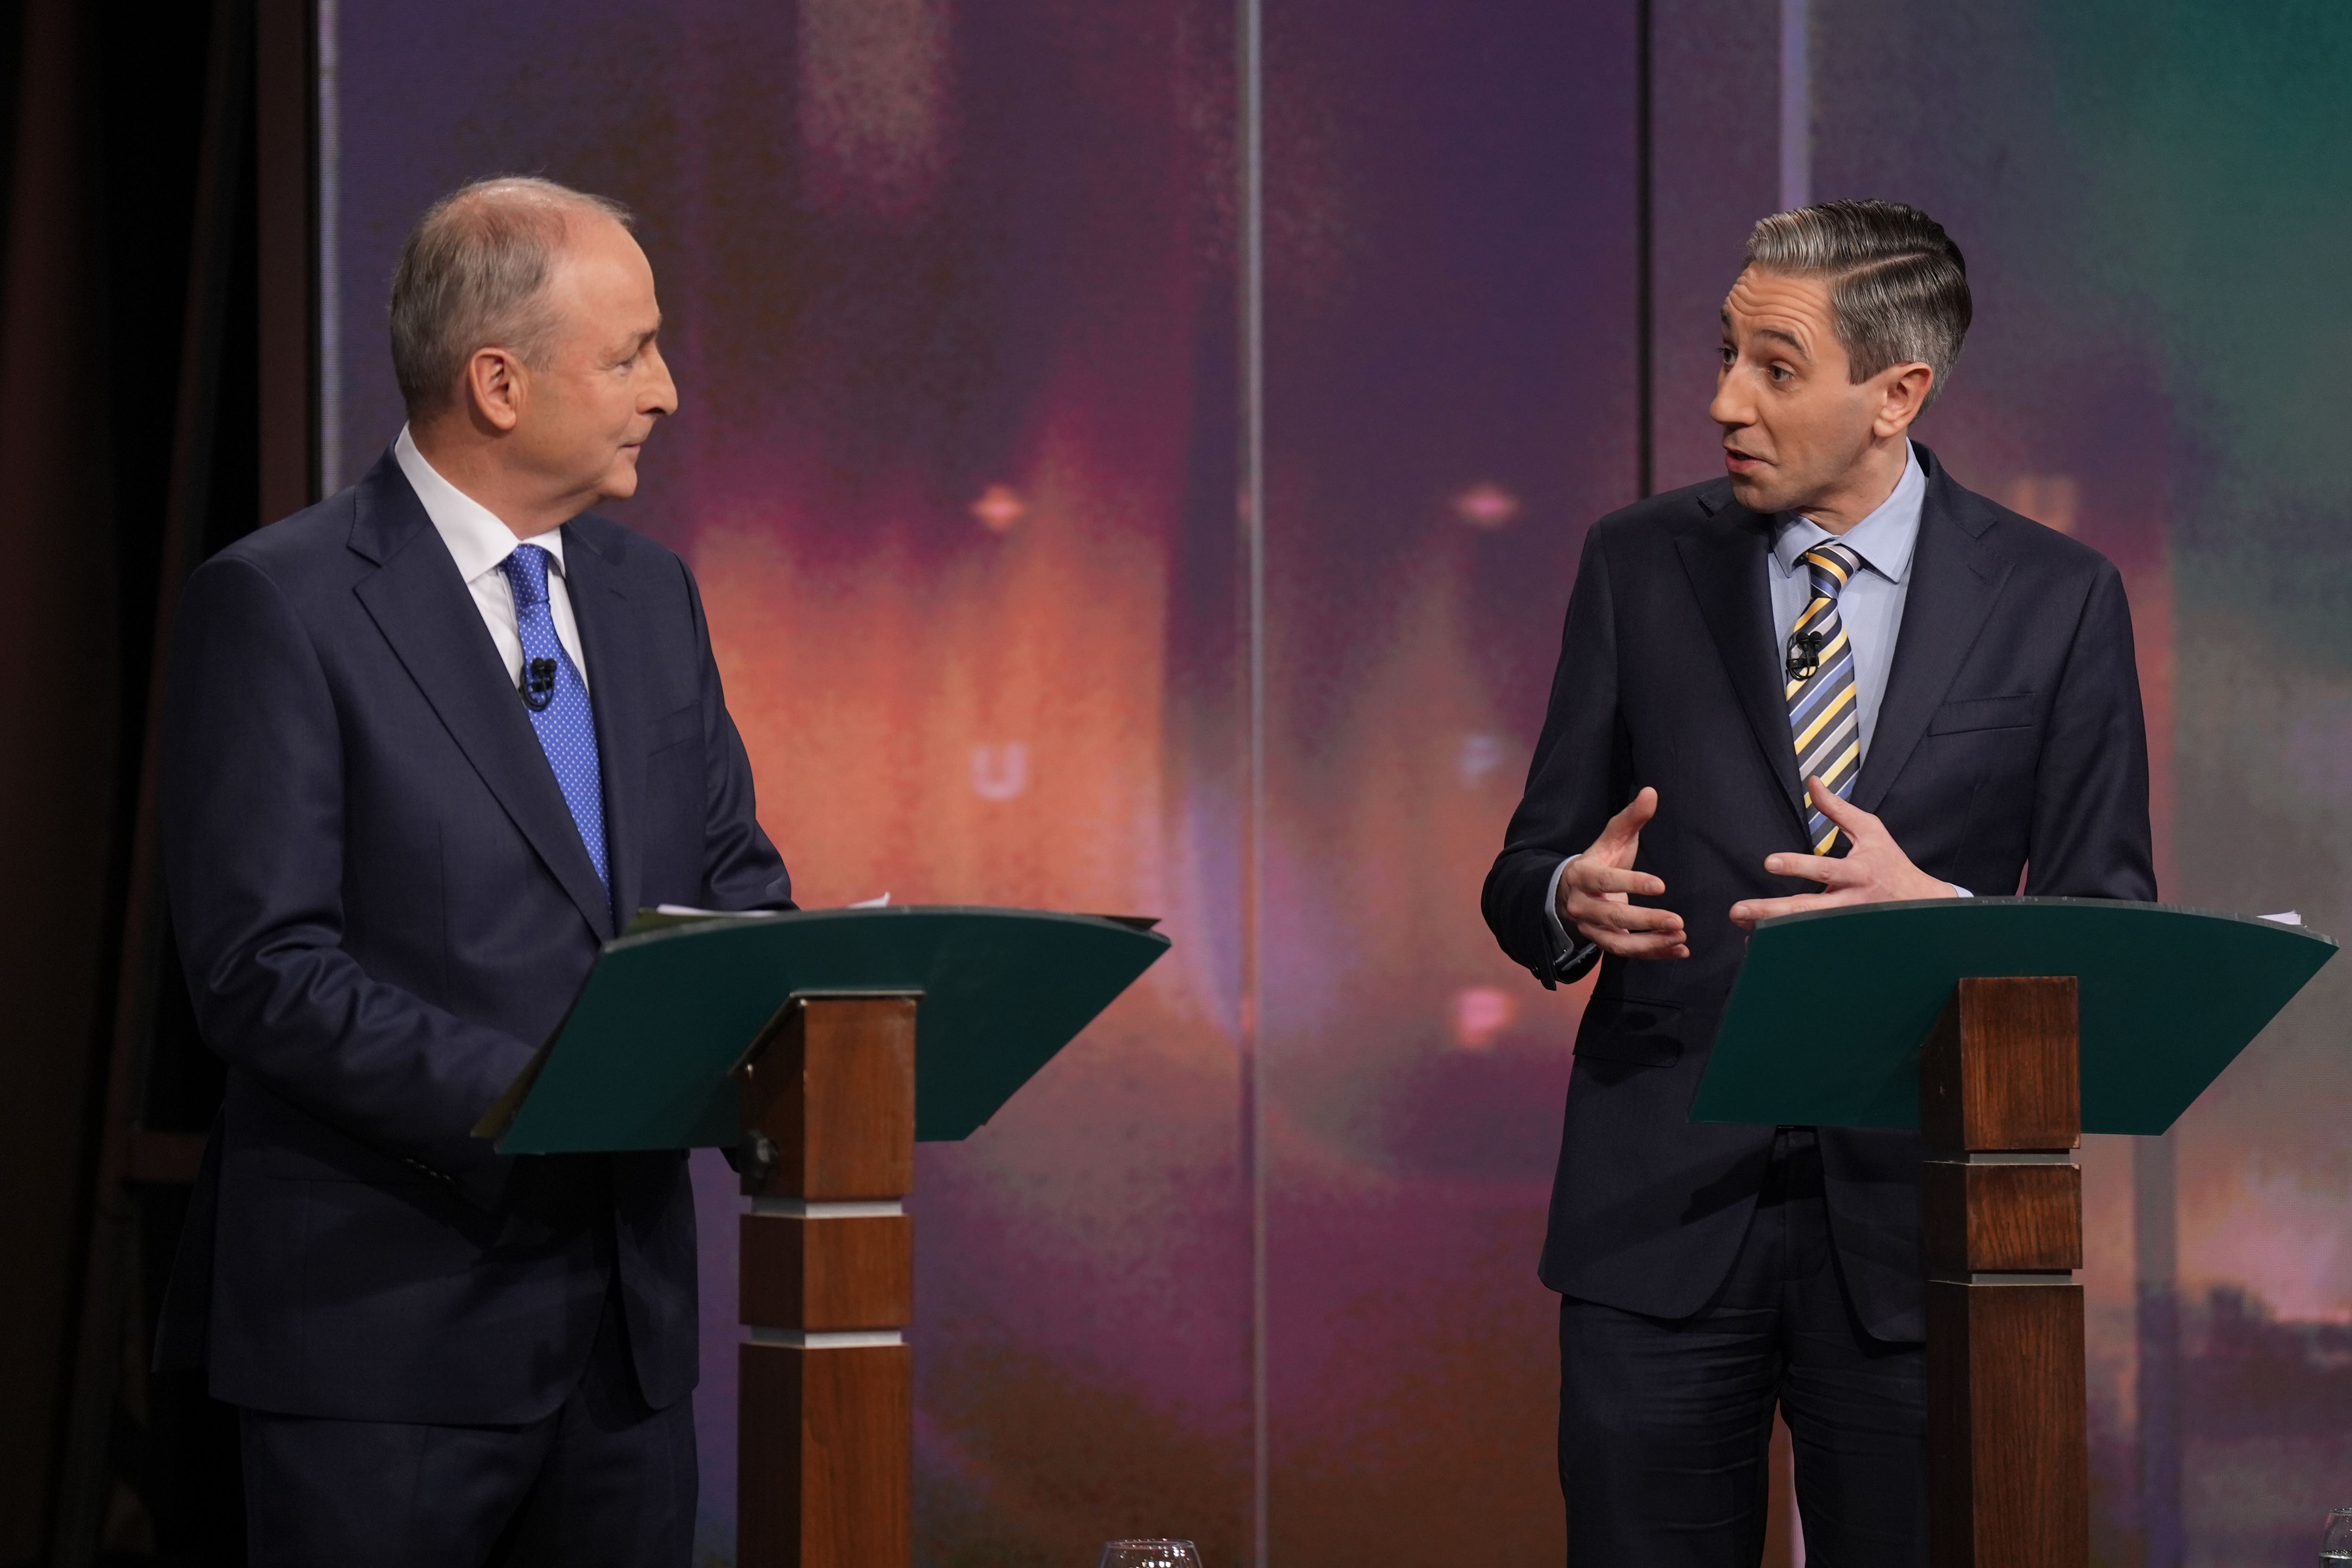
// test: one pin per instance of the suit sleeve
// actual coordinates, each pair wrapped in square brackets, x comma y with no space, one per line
[1578,778]
[2090,836]
[742,869]
[251,810]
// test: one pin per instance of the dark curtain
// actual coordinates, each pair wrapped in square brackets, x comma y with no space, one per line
[130,417]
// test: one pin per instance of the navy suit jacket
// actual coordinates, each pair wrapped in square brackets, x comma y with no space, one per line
[383,906]
[2010,742]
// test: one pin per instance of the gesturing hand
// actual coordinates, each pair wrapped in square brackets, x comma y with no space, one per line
[1874,871]
[1595,891]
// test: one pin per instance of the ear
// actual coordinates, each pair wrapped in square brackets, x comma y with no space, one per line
[1903,393]
[498,385]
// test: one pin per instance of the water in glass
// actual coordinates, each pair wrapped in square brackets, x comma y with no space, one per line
[1150,1554]
[2335,1546]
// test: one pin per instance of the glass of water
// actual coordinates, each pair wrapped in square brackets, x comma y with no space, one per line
[1150,1554]
[2335,1546]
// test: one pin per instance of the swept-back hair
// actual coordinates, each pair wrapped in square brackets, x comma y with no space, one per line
[1898,287]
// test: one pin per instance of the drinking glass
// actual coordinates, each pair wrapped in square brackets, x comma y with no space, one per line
[2335,1546]
[1150,1554]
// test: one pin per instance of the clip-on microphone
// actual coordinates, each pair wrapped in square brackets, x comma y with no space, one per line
[1805,656]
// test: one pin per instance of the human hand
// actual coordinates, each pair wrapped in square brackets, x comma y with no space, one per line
[1596,891]
[1874,871]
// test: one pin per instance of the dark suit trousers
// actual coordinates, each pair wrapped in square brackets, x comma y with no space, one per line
[1664,1425]
[604,1481]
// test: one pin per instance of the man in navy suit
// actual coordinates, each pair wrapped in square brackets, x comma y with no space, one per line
[1834,666]
[426,745]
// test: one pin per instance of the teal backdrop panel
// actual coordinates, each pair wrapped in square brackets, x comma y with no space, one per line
[2169,997]
[644,1059]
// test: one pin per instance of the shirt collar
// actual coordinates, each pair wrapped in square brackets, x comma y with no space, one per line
[1884,539]
[477,541]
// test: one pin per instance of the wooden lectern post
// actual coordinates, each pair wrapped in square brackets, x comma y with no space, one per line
[820,1112]
[2153,1003]
[2000,1111]
[826,1469]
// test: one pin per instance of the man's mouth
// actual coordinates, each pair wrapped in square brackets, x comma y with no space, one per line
[1740,462]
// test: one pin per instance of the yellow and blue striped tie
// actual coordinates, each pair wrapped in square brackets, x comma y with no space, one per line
[1823,718]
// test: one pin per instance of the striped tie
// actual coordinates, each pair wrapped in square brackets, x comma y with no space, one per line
[1822,717]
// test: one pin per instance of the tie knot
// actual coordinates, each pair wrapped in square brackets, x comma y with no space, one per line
[526,571]
[1831,565]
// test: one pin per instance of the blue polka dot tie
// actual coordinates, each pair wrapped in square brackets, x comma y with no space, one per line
[558,700]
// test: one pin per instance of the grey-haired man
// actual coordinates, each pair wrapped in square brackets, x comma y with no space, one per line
[427,746]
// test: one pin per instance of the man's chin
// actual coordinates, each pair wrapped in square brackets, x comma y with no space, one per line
[1758,493]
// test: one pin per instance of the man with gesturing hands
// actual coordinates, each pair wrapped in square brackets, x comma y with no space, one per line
[1832,677]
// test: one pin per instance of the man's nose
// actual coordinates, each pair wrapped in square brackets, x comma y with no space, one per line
[1730,409]
[661,396]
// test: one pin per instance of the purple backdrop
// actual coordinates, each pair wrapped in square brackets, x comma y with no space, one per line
[952,297]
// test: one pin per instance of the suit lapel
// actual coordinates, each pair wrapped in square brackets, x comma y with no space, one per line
[601,608]
[1956,579]
[423,610]
[1725,561]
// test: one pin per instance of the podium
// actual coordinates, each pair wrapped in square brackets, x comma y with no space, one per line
[2003,1029]
[819,1046]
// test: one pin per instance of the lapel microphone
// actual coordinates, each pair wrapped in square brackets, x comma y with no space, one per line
[539,684]
[1805,656]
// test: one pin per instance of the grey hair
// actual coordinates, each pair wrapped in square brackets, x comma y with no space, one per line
[1898,287]
[473,274]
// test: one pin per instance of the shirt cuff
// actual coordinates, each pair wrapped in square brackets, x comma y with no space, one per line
[1571,955]
[1962,891]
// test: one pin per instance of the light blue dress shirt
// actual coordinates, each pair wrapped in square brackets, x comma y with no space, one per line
[1871,605]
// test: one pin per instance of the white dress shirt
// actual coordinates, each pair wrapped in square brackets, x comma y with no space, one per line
[478,542]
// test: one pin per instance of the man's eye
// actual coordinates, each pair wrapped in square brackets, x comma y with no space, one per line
[1782,373]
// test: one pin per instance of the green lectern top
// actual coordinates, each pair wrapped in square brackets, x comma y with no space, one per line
[2168,998]
[646,1058]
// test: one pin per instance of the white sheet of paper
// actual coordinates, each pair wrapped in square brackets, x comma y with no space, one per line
[689,912]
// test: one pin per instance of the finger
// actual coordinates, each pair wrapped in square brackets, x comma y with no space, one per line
[1588,875]
[1748,911]
[1600,916]
[1626,826]
[1814,868]
[1840,810]
[1630,944]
